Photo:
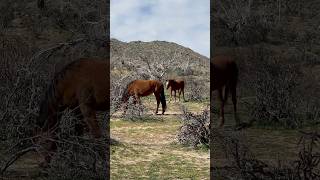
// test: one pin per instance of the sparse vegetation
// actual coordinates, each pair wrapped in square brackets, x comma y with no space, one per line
[195,129]
[35,44]
[148,148]
[274,45]
[244,165]
[149,142]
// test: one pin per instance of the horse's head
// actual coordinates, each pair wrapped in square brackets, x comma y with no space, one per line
[168,83]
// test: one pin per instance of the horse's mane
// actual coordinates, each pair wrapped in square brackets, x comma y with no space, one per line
[125,93]
[50,99]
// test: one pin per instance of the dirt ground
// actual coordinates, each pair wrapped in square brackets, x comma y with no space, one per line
[148,149]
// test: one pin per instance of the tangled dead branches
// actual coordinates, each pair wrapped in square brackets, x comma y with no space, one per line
[244,165]
[195,128]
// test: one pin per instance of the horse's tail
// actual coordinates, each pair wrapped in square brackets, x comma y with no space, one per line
[163,99]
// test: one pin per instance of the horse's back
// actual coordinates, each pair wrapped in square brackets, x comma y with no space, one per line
[179,84]
[143,87]
[85,77]
[222,62]
[224,70]
[180,81]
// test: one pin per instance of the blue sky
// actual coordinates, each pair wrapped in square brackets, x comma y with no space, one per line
[185,22]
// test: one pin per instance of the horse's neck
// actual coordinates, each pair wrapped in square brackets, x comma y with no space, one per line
[155,84]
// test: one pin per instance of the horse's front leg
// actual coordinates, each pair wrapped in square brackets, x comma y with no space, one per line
[175,96]
[179,91]
[47,148]
[47,140]
[138,100]
[91,120]
[183,95]
[125,106]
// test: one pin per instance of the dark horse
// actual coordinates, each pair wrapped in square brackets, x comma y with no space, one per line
[82,85]
[176,85]
[140,88]
[224,72]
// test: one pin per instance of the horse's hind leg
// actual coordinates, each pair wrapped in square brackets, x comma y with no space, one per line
[175,96]
[226,94]
[234,101]
[90,118]
[183,94]
[179,91]
[158,103]
[221,107]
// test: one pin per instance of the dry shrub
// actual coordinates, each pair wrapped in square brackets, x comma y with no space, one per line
[282,91]
[196,90]
[135,111]
[243,22]
[118,86]
[28,66]
[78,157]
[75,155]
[242,164]
[195,128]
[19,89]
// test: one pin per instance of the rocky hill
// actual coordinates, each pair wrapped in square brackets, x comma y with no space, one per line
[176,59]
[159,60]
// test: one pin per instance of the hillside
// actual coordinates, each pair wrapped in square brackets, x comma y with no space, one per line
[161,51]
[158,60]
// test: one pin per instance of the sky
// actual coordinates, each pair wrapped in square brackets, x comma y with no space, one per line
[185,22]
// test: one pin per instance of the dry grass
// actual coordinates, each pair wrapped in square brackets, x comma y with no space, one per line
[148,149]
[270,145]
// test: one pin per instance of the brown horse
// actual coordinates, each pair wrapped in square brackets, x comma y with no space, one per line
[140,88]
[82,85]
[224,73]
[176,85]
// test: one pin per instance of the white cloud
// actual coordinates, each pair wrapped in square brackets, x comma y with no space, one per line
[185,22]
